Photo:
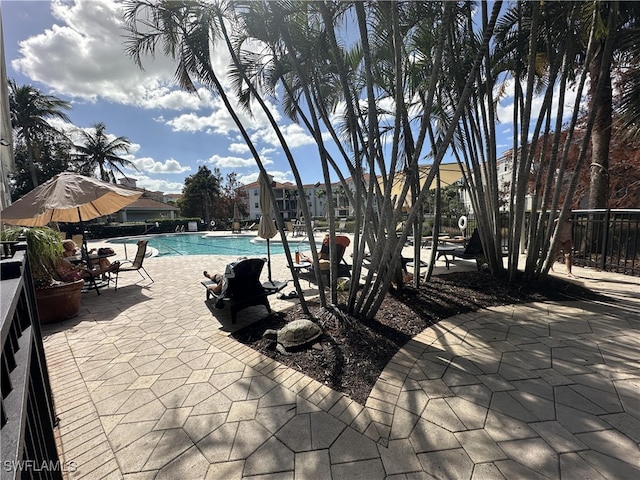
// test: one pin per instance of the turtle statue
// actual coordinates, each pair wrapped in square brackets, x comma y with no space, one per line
[294,334]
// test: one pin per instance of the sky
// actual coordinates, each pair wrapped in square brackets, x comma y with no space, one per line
[74,50]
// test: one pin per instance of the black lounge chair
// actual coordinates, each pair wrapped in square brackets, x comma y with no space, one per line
[473,250]
[243,288]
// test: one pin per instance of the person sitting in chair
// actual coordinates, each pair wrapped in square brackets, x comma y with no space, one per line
[72,250]
[68,272]
[342,242]
[217,279]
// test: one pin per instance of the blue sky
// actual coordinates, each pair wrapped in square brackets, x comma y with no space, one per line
[74,50]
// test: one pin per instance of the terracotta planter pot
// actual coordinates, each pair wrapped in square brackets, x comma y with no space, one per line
[59,302]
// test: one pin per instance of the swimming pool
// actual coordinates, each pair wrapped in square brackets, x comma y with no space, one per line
[174,244]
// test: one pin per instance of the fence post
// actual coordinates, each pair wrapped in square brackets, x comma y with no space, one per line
[605,238]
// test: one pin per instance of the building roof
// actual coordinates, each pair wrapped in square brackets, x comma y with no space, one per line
[277,185]
[149,204]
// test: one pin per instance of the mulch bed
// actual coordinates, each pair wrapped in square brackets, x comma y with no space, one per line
[352,352]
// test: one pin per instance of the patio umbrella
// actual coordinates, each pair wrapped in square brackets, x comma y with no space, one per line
[68,197]
[266,228]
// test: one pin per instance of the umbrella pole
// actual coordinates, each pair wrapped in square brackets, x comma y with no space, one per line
[85,247]
[269,260]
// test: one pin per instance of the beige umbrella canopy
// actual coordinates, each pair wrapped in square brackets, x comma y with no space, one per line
[68,197]
[266,228]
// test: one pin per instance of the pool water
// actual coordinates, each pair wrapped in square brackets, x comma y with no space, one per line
[174,244]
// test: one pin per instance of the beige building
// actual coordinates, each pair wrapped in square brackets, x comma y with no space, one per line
[287,200]
[150,205]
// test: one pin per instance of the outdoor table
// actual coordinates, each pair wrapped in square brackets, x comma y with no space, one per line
[304,265]
[428,240]
[300,267]
[89,261]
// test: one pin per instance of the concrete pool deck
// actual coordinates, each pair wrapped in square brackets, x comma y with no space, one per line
[148,384]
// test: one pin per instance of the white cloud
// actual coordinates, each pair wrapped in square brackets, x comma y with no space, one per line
[213,123]
[505,106]
[147,164]
[294,135]
[155,184]
[238,148]
[83,57]
[278,176]
[220,121]
[231,162]
[265,151]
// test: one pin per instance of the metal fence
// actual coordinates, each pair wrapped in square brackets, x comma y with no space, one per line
[607,239]
[27,414]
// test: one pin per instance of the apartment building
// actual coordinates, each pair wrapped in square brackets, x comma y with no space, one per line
[288,201]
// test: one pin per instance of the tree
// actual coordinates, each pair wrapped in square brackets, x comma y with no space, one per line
[231,196]
[303,63]
[187,31]
[418,80]
[98,152]
[30,112]
[200,194]
[53,149]
[617,41]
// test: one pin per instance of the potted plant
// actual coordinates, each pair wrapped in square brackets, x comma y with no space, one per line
[56,299]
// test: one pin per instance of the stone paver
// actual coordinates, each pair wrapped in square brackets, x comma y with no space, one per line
[148,383]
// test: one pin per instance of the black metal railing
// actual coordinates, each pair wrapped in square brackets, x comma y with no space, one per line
[27,411]
[607,239]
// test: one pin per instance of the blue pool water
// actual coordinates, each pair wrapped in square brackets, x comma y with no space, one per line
[198,244]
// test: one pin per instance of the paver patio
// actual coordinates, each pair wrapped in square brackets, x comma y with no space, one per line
[148,384]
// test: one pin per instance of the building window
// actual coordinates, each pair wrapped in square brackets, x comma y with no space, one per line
[255,193]
[255,205]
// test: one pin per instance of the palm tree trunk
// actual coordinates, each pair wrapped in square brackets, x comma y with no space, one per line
[600,69]
[31,161]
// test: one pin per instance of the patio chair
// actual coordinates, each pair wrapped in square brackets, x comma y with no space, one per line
[136,264]
[344,269]
[77,239]
[472,251]
[241,287]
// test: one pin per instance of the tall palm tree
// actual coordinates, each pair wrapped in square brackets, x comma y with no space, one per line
[99,152]
[618,36]
[30,112]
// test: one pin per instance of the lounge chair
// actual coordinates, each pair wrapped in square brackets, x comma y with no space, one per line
[136,264]
[473,250]
[344,269]
[242,287]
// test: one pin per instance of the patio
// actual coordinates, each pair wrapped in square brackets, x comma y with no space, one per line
[148,384]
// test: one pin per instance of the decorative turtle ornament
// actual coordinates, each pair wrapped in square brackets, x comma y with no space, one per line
[294,334]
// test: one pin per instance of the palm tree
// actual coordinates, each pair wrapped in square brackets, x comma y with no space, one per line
[99,152]
[201,195]
[618,36]
[30,111]
[291,51]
